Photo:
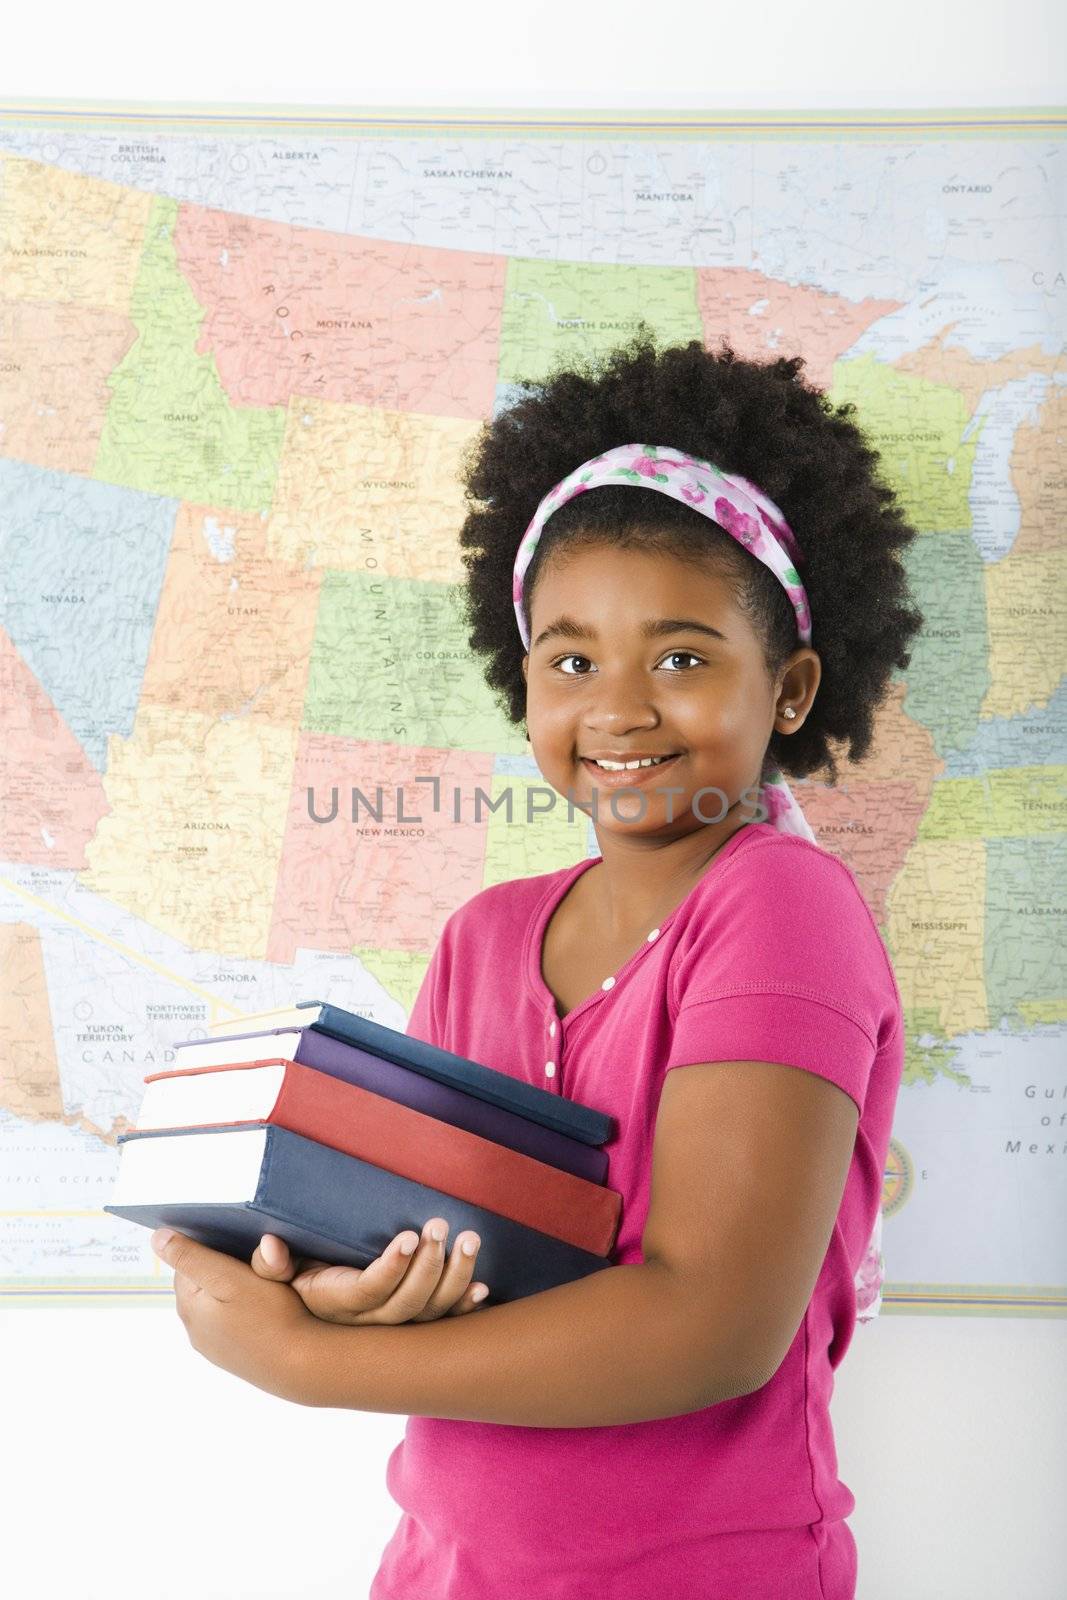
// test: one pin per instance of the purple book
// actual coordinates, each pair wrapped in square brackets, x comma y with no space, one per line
[407,1088]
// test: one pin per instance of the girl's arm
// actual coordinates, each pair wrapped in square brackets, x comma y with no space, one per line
[617,1346]
[749,1165]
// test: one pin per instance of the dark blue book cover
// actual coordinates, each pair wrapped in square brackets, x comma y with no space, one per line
[336,1208]
[497,1088]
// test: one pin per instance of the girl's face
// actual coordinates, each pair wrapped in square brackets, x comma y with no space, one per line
[637,653]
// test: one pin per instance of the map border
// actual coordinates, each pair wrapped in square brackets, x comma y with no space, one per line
[977,122]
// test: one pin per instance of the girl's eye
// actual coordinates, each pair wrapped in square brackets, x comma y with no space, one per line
[674,654]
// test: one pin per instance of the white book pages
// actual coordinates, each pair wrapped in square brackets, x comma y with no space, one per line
[190,1168]
[227,1052]
[247,1094]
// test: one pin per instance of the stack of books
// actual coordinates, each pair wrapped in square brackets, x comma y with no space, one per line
[337,1133]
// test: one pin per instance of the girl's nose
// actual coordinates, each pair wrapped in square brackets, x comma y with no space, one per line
[620,722]
[619,700]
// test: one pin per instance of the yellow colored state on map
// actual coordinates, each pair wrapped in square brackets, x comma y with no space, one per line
[193,840]
[1027,631]
[68,237]
[370,491]
[936,931]
[1006,802]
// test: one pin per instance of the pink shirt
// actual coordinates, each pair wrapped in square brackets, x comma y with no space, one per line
[772,956]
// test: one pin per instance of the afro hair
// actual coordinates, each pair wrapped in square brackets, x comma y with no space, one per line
[761,420]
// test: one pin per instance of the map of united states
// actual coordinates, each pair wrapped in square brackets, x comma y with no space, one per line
[235,390]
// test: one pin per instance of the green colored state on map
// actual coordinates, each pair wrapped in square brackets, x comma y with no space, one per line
[391,664]
[170,428]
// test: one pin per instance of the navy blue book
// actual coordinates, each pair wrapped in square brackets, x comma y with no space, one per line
[485,1083]
[227,1187]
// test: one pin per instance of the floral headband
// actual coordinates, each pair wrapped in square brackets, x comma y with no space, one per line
[724,498]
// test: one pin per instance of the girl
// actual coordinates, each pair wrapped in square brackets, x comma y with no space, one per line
[712,978]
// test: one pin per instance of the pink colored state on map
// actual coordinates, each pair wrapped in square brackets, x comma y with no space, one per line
[299,311]
[53,797]
[388,885]
[762,318]
[871,819]
[871,828]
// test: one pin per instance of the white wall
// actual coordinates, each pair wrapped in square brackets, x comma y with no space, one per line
[701,54]
[130,1468]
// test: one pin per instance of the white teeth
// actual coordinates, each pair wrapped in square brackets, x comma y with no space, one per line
[630,766]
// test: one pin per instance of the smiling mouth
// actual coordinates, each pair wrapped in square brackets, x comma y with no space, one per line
[629,775]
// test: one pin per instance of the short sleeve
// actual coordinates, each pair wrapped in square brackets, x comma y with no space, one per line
[781,960]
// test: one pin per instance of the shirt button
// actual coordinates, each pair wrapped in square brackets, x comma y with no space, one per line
[552,1029]
[550,1069]
[607,983]
[653,935]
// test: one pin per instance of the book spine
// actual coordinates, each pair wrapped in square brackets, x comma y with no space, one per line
[396,1082]
[553,1111]
[419,1147]
[350,1201]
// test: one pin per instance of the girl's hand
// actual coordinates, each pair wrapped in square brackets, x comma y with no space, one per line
[395,1287]
[259,1331]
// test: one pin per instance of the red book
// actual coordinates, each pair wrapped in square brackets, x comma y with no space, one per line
[386,1134]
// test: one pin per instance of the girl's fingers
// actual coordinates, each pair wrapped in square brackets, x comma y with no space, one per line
[351,1294]
[450,1295]
[409,1297]
[470,1300]
[273,1259]
[395,1287]
[335,1294]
